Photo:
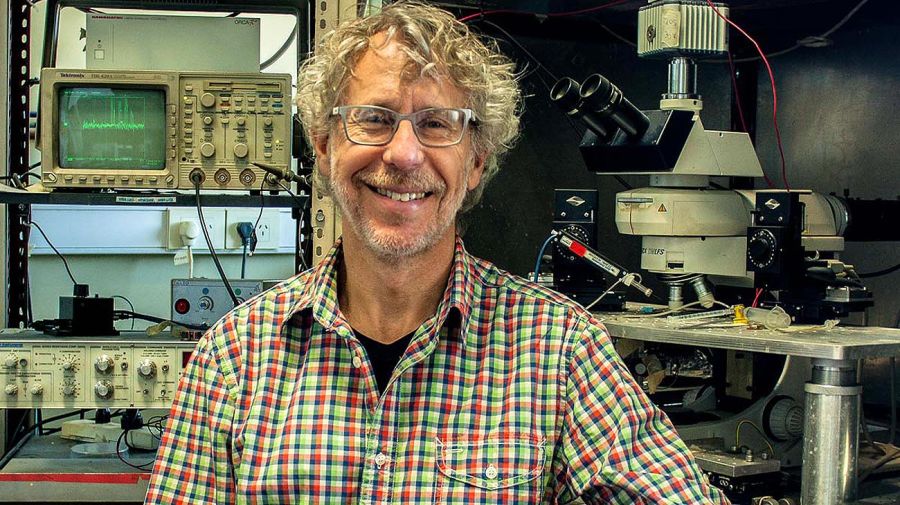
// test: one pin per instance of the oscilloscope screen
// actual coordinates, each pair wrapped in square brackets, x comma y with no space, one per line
[112,128]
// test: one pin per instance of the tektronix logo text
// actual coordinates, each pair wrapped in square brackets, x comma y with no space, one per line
[66,74]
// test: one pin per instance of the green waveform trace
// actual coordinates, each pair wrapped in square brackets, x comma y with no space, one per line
[111,125]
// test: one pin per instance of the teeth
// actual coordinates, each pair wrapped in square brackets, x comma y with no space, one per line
[400,197]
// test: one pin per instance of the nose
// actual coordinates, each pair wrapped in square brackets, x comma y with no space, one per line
[404,150]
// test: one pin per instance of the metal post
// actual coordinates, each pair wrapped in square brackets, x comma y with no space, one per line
[830,433]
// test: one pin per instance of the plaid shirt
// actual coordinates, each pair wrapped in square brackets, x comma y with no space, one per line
[510,393]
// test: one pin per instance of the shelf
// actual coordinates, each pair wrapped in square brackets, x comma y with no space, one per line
[155,199]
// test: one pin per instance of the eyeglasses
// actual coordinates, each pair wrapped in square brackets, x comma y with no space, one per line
[370,125]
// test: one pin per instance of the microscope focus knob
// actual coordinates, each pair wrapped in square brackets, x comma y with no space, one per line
[761,249]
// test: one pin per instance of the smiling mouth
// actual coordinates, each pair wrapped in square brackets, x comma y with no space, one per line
[400,197]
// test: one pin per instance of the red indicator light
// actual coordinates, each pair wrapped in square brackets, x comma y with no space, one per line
[182,306]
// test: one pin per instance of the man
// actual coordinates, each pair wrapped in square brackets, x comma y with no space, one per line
[401,369]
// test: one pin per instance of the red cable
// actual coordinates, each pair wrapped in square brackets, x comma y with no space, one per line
[756,298]
[737,100]
[774,92]
[550,15]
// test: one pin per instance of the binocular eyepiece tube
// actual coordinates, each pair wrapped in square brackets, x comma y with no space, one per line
[601,105]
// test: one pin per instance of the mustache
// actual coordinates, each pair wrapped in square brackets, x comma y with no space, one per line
[419,181]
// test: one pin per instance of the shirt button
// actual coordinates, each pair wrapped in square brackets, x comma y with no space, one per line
[380,459]
[357,362]
[491,472]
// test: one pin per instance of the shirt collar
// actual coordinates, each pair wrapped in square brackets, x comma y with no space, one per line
[316,290]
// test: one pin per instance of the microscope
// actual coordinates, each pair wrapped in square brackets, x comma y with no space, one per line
[695,234]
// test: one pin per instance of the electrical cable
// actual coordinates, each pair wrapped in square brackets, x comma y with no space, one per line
[125,314]
[879,273]
[63,258]
[280,52]
[212,249]
[737,435]
[244,260]
[619,178]
[774,91]
[298,200]
[548,15]
[540,256]
[14,449]
[41,422]
[608,291]
[617,36]
[740,108]
[811,41]
[142,467]
[674,311]
[131,305]
[756,298]
[512,39]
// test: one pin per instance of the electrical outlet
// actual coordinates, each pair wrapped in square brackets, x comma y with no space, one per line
[267,236]
[215,223]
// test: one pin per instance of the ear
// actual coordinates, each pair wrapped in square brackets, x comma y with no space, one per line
[476,172]
[320,145]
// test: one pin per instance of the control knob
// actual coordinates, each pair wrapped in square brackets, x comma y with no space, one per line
[761,249]
[104,364]
[37,389]
[11,361]
[207,99]
[104,389]
[68,389]
[147,369]
[68,365]
[207,149]
[12,389]
[241,150]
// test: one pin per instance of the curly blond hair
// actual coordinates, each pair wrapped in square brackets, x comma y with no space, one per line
[440,47]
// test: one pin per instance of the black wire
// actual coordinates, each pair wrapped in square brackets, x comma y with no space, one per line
[131,305]
[63,258]
[296,198]
[125,314]
[244,262]
[879,273]
[142,467]
[623,182]
[39,425]
[520,46]
[287,43]
[212,250]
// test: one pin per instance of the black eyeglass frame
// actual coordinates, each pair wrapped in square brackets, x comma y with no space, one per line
[468,119]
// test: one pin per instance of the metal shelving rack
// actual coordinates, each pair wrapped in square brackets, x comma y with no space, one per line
[17,132]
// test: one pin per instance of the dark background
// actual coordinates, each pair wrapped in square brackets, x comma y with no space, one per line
[837,108]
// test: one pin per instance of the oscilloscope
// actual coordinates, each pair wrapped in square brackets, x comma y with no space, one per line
[153,129]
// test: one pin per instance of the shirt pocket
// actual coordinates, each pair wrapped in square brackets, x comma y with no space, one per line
[502,469]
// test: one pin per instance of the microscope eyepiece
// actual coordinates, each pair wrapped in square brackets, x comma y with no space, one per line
[565,94]
[609,104]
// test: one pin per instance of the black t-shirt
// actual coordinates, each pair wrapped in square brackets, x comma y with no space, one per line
[384,357]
